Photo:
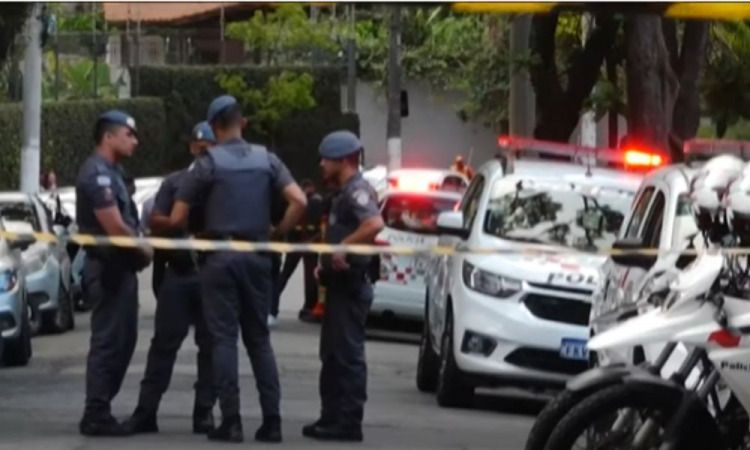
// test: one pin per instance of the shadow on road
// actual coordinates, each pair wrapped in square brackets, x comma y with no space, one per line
[393,330]
[509,403]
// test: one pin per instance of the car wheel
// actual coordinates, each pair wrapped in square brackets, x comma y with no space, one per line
[35,318]
[452,390]
[18,351]
[62,318]
[428,364]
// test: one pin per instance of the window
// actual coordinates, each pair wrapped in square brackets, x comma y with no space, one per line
[454,184]
[415,213]
[470,202]
[20,217]
[583,217]
[639,212]
[652,228]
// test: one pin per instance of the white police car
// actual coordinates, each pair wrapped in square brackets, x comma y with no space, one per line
[522,318]
[410,210]
[660,218]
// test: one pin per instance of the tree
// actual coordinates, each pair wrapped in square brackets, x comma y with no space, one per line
[726,84]
[12,19]
[465,53]
[561,94]
[283,37]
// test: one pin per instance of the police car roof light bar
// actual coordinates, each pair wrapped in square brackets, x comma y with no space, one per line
[702,149]
[631,158]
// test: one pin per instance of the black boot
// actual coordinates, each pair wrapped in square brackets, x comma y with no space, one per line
[270,430]
[142,421]
[335,432]
[230,430]
[104,426]
[203,420]
[309,430]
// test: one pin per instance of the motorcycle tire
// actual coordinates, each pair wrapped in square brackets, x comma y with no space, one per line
[551,415]
[701,435]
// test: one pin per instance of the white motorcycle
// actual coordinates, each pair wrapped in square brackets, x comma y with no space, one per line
[705,311]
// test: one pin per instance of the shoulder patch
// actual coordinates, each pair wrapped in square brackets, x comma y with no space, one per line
[361,197]
[104,180]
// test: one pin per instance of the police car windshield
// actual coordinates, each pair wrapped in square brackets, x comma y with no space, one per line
[416,213]
[583,217]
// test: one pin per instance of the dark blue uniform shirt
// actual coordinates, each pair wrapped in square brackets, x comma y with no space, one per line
[100,184]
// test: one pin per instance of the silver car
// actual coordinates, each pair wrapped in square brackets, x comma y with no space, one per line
[15,311]
[47,264]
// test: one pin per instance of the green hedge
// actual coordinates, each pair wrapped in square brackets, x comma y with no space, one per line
[187,91]
[67,137]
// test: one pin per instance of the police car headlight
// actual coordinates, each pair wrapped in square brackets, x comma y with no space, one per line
[489,283]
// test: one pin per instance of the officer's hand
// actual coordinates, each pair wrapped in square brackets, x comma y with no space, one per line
[338,261]
[316,272]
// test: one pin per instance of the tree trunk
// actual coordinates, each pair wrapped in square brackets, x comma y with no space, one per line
[652,85]
[687,113]
[558,109]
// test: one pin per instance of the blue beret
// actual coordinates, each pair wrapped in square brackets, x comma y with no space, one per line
[203,132]
[120,118]
[339,144]
[219,105]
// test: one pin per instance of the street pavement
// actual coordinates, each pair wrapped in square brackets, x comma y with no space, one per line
[40,405]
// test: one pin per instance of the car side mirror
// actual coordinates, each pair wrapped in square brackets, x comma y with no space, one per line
[452,224]
[639,260]
[22,243]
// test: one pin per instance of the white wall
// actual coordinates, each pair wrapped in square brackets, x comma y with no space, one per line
[432,134]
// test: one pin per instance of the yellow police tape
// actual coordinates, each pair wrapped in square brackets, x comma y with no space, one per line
[681,10]
[283,247]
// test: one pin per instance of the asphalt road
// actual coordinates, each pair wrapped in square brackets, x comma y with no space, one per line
[40,405]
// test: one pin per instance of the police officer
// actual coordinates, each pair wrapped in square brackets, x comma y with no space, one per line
[103,207]
[178,306]
[354,218]
[234,184]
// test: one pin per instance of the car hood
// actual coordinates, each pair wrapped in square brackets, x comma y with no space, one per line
[554,271]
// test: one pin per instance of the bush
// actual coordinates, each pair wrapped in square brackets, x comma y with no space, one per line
[67,137]
[187,91]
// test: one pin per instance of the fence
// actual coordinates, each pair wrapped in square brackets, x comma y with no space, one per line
[105,64]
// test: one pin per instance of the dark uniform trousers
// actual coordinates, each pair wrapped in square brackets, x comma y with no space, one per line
[112,290]
[343,377]
[178,306]
[239,285]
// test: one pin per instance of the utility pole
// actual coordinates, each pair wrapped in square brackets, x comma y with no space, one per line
[351,64]
[521,103]
[393,141]
[32,102]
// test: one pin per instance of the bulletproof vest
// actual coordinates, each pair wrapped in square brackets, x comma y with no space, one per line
[239,202]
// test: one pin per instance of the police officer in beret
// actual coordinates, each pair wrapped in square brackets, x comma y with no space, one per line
[110,283]
[234,184]
[354,218]
[178,306]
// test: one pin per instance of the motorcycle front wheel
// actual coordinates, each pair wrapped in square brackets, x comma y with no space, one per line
[626,417]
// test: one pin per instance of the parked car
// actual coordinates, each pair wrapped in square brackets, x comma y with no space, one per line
[514,318]
[15,310]
[410,216]
[47,264]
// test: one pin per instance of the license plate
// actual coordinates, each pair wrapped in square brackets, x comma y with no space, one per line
[574,349]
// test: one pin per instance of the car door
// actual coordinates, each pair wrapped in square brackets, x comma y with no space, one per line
[650,231]
[447,273]
[57,250]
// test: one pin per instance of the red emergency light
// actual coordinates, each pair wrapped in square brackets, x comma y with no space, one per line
[631,158]
[640,158]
